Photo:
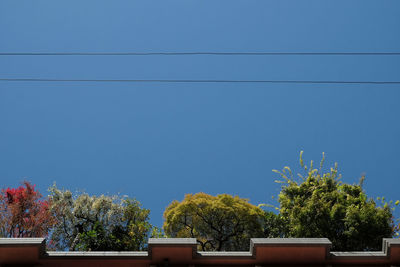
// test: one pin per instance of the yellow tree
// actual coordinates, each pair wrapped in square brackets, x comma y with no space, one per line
[219,223]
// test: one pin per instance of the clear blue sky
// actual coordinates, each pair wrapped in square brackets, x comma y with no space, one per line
[157,142]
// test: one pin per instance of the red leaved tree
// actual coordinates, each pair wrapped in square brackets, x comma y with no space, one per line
[24,213]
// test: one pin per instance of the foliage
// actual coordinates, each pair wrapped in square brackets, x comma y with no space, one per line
[319,205]
[274,225]
[24,213]
[221,222]
[98,223]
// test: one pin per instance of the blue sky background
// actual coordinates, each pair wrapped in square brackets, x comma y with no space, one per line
[157,142]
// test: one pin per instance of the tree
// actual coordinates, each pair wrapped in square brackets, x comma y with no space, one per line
[98,223]
[221,222]
[274,225]
[319,205]
[24,213]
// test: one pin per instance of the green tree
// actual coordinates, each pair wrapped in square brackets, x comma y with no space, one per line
[98,222]
[274,225]
[319,205]
[221,222]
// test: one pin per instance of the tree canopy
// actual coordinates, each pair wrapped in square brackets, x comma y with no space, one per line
[24,212]
[221,222]
[319,205]
[98,222]
[314,204]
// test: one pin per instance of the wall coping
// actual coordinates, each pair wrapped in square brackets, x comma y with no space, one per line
[97,253]
[22,241]
[172,241]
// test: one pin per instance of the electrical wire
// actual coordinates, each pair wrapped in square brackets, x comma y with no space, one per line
[197,81]
[199,53]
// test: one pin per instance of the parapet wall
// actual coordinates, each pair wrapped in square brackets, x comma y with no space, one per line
[167,252]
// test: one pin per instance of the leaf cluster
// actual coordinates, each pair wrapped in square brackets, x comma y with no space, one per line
[319,205]
[24,212]
[98,222]
[221,222]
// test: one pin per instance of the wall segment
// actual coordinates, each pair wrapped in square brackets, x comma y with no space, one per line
[168,252]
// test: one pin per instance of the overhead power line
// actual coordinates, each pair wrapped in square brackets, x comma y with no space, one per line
[196,81]
[199,53]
